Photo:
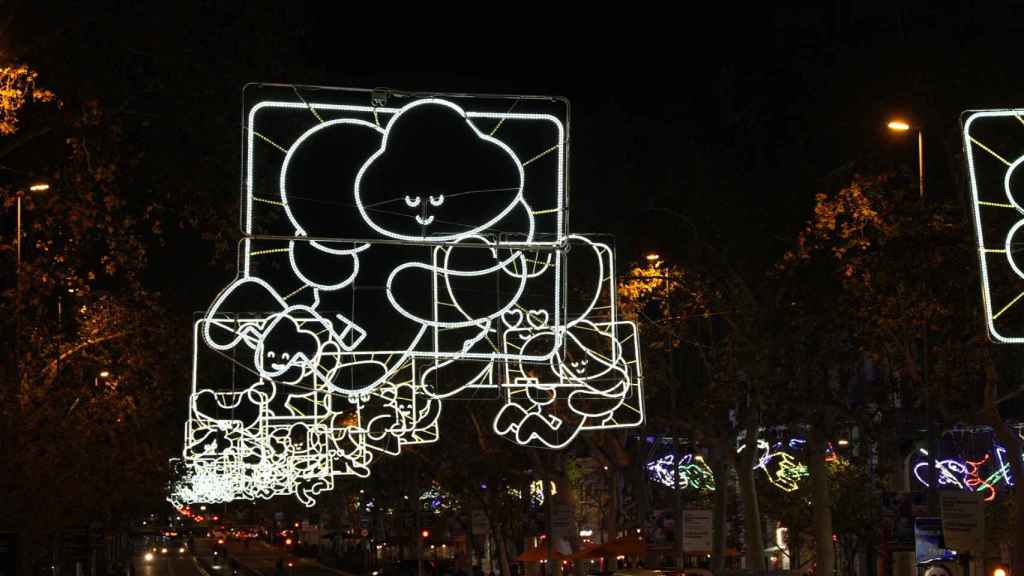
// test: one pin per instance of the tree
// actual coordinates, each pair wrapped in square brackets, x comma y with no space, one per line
[88,382]
[705,316]
[874,269]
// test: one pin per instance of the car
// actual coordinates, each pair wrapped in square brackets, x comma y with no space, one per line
[166,547]
[175,546]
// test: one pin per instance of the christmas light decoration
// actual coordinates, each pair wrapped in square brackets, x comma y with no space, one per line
[694,473]
[319,386]
[973,460]
[994,157]
[780,468]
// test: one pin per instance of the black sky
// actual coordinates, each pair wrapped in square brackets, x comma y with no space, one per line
[731,116]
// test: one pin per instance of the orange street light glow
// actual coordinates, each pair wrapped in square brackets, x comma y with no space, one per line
[898,125]
[41,187]
[653,256]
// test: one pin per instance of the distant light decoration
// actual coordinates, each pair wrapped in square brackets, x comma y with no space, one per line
[694,473]
[536,492]
[436,499]
[972,460]
[328,384]
[780,468]
[968,475]
[994,156]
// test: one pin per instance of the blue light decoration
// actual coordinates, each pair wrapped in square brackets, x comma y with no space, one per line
[435,499]
[780,467]
[981,475]
[974,468]
[694,473]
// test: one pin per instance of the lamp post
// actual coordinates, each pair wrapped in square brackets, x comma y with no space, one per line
[38,187]
[903,126]
[933,439]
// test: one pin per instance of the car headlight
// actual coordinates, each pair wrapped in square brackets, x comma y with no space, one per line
[149,556]
[181,550]
[163,550]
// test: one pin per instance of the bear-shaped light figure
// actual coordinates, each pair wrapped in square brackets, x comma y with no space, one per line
[443,275]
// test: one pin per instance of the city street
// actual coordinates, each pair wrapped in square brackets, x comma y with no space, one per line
[169,566]
[734,294]
[261,559]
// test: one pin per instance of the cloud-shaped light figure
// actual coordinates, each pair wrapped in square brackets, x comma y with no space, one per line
[438,192]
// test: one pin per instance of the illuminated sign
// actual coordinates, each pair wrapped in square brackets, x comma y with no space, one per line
[994,154]
[395,258]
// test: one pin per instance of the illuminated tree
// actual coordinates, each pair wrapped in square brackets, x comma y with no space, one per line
[706,357]
[876,279]
[87,346]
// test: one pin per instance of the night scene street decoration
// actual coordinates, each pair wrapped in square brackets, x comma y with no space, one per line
[776,460]
[994,152]
[400,253]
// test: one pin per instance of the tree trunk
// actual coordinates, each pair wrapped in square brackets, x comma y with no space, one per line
[720,505]
[1014,450]
[643,505]
[821,501]
[753,537]
[793,545]
[677,506]
[567,495]
[499,538]
[611,518]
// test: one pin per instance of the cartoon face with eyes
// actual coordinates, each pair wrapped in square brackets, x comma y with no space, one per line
[589,357]
[286,352]
[416,201]
[437,176]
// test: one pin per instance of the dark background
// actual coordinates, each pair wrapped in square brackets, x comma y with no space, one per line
[690,119]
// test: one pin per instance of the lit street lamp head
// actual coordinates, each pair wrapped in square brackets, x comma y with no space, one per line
[898,126]
[41,187]
[653,256]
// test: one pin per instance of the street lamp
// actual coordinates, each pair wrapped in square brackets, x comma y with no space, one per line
[933,441]
[653,257]
[39,187]
[903,126]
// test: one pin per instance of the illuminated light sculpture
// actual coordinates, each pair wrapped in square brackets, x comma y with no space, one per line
[983,474]
[536,492]
[358,313]
[780,468]
[693,472]
[994,157]
[436,499]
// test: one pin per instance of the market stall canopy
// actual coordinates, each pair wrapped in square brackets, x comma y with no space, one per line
[624,546]
[540,554]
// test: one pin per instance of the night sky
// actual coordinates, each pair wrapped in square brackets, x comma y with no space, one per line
[731,117]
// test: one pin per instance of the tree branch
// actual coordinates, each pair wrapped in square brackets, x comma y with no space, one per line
[50,372]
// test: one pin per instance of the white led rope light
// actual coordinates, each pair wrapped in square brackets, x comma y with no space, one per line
[978,204]
[302,427]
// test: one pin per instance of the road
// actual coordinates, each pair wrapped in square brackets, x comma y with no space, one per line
[168,566]
[261,559]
